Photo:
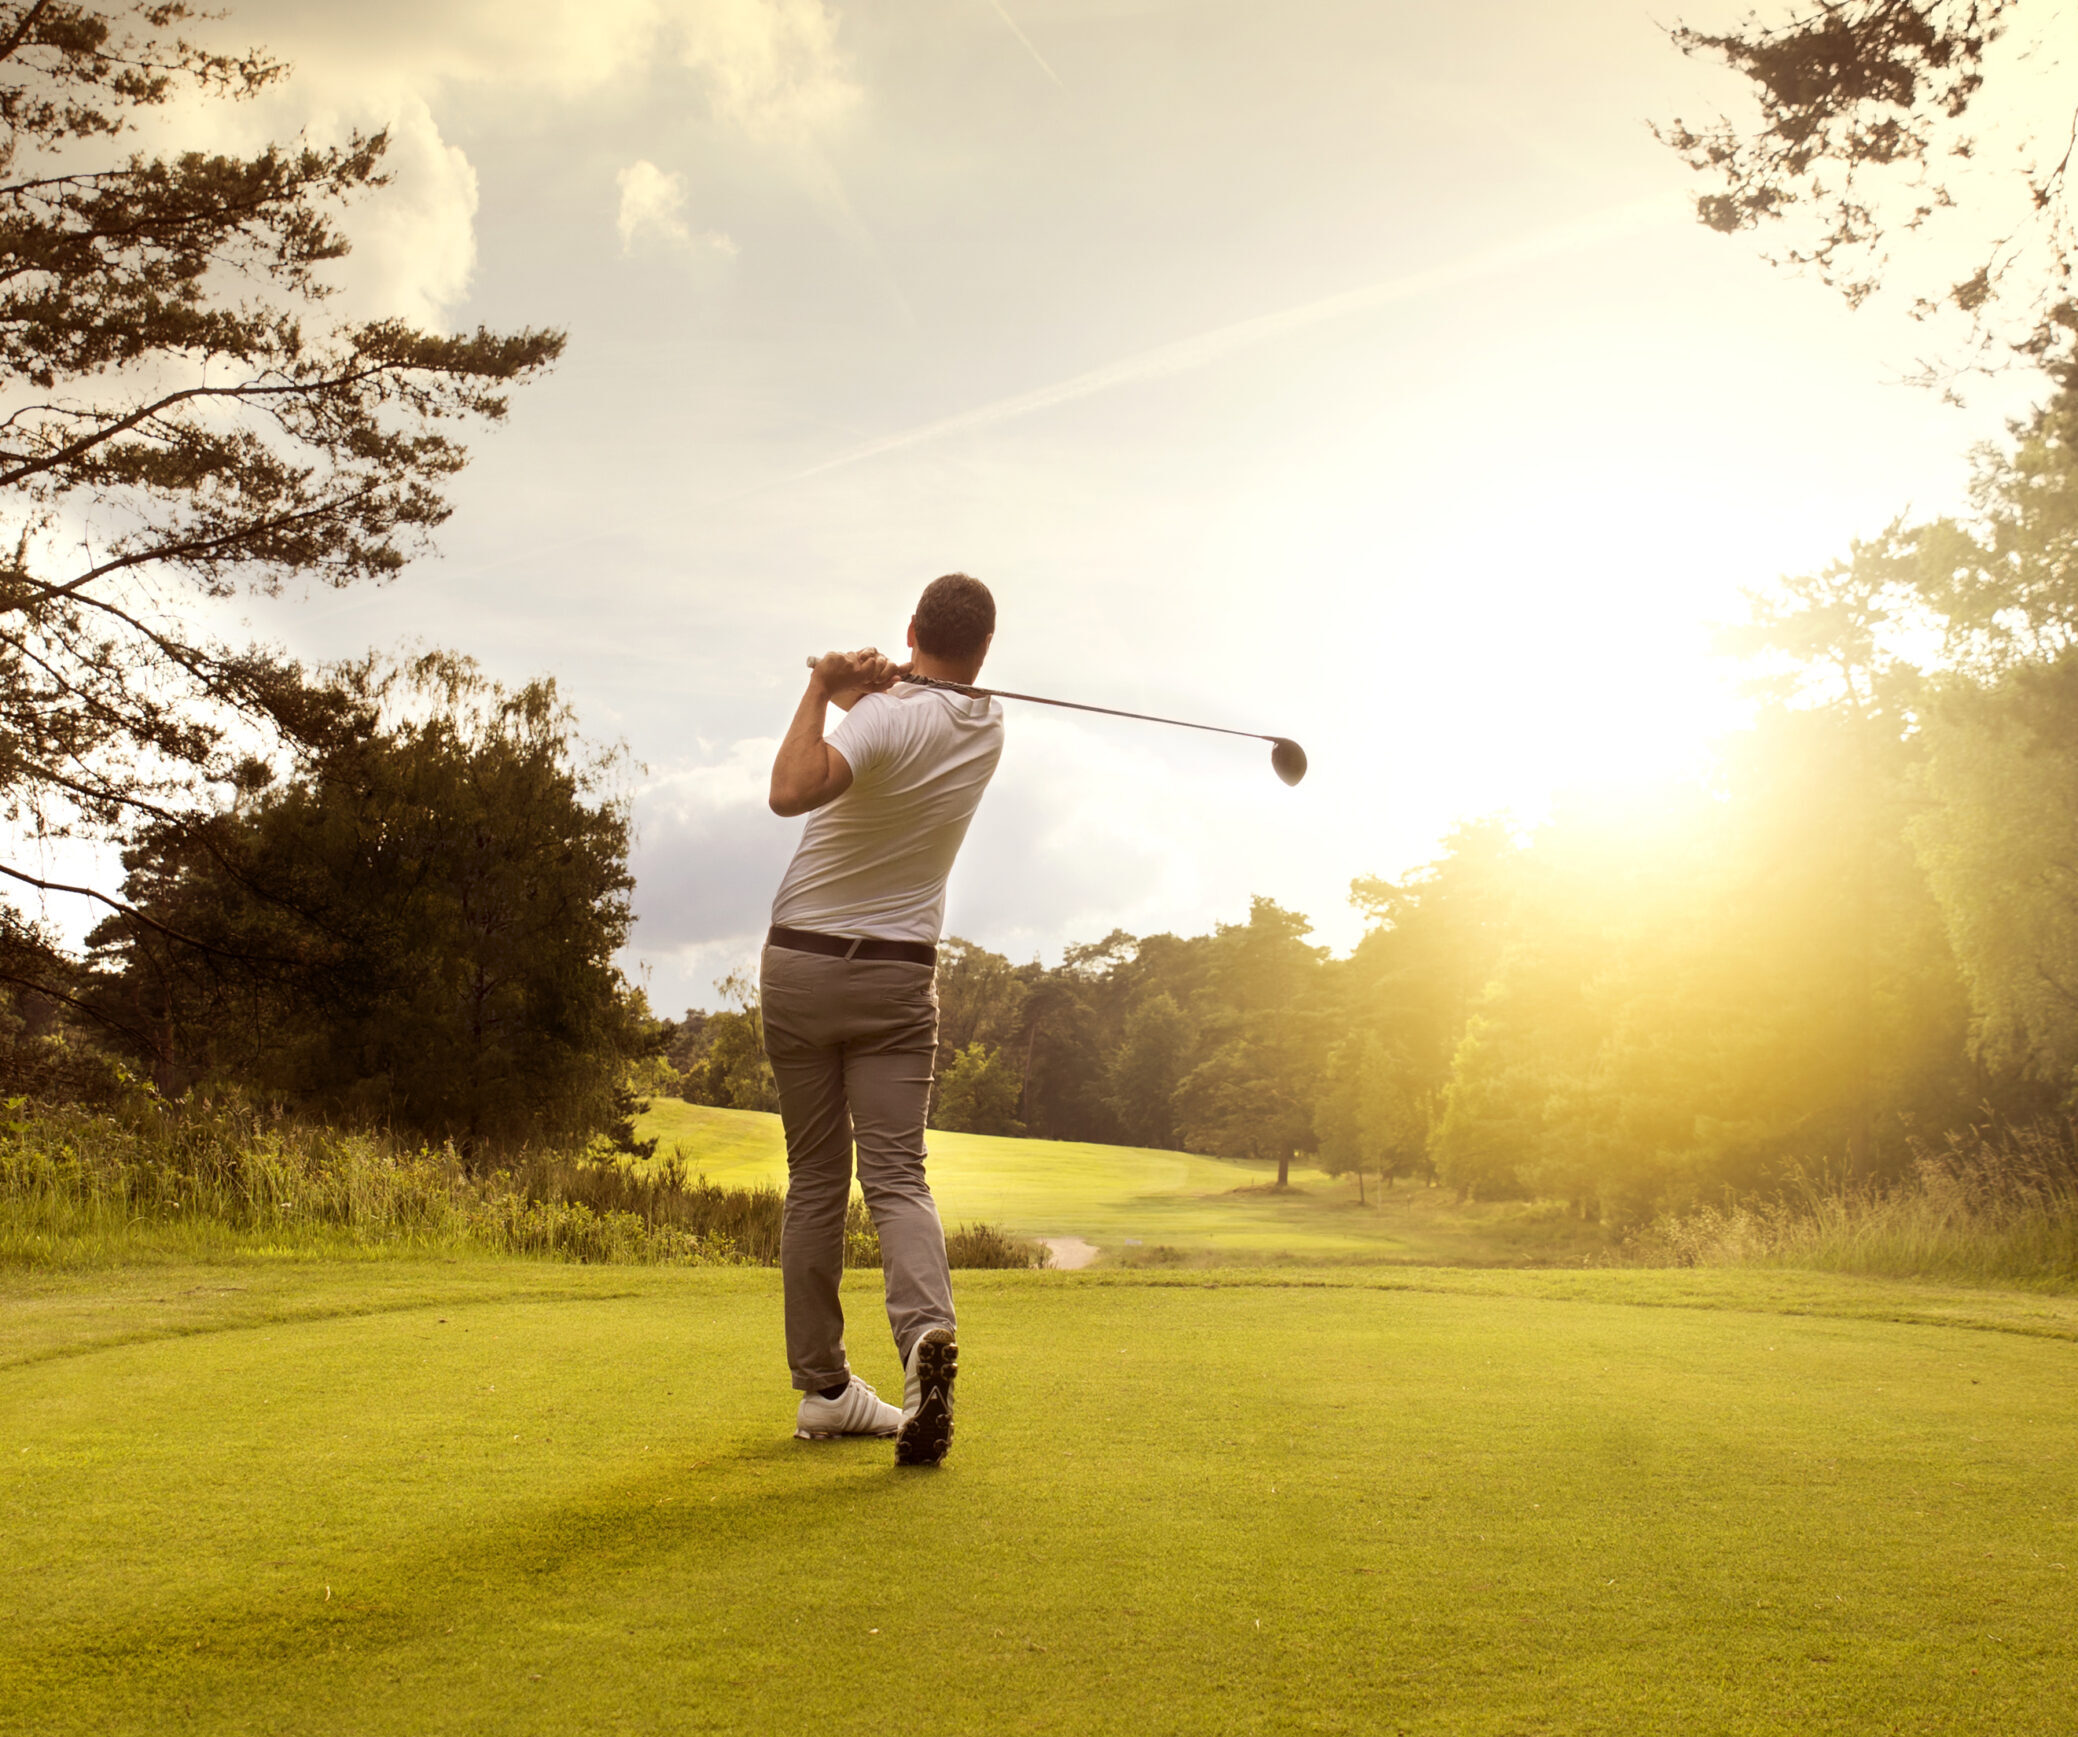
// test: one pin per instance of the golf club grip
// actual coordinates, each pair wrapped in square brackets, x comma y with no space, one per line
[1074,706]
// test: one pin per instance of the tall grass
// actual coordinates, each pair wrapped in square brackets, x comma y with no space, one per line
[667,1195]
[1983,1210]
[147,1179]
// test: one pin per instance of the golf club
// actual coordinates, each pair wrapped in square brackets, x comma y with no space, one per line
[1286,756]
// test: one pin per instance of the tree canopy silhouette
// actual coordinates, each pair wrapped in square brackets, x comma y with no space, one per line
[1864,128]
[184,420]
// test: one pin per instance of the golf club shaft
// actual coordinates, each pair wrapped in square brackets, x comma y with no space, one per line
[1074,706]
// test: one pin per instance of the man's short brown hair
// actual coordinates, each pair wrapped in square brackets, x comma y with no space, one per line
[954,617]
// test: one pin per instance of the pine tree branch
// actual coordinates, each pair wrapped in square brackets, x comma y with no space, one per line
[21,31]
[99,1015]
[145,413]
[202,546]
[135,916]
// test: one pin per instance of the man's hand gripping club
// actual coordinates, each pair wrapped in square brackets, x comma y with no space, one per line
[807,772]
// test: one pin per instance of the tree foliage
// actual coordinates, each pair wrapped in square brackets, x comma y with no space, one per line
[185,420]
[977,1093]
[1975,740]
[1152,1057]
[1999,837]
[725,1063]
[418,928]
[1371,1116]
[1863,116]
[1252,1095]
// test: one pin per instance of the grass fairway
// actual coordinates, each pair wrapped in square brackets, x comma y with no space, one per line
[506,1497]
[1125,1199]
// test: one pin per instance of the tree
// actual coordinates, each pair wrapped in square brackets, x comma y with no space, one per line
[1996,838]
[1252,1094]
[731,1070]
[981,999]
[1371,1113]
[1431,945]
[418,928]
[1492,1114]
[1238,1103]
[1072,1016]
[1996,736]
[1150,1061]
[685,1047]
[977,1093]
[186,423]
[2002,583]
[1865,110]
[1974,745]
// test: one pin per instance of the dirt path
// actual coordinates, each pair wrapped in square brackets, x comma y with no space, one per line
[1070,1252]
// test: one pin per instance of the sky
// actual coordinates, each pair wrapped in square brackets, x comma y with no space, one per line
[1346,369]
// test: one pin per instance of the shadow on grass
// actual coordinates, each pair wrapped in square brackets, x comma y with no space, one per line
[290,1313]
[762,1496]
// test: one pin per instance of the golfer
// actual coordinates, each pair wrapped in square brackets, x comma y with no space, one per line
[851,1001]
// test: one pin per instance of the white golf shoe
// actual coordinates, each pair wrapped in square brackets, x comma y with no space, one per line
[926,1433]
[858,1410]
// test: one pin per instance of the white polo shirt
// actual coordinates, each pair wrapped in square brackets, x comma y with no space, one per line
[875,861]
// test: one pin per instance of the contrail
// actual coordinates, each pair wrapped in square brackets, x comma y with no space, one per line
[1207,347]
[1003,13]
[1188,353]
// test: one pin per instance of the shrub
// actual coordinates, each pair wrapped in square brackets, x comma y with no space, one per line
[1995,1210]
[147,1177]
[983,1245]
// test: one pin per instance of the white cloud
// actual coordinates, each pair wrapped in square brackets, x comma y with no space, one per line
[773,67]
[771,71]
[415,240]
[708,850]
[768,65]
[652,208]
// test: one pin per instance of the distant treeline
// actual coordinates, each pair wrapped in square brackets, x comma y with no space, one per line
[1859,936]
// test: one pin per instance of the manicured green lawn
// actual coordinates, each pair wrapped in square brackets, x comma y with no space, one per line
[1130,1199]
[387,1496]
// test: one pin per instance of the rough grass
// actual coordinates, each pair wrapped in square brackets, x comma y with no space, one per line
[2000,1212]
[150,1181]
[517,1497]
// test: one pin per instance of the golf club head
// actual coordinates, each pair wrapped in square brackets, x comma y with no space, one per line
[1289,759]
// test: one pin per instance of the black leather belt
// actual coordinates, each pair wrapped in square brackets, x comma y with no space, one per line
[850,946]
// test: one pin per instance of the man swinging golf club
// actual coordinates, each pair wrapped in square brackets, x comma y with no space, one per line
[851,1003]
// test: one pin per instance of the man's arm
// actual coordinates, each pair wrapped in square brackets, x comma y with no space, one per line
[807,772]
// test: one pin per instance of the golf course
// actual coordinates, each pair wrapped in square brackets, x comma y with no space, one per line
[292,1493]
[668,1064]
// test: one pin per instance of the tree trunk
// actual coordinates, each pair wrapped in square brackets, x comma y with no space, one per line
[1360,1185]
[1284,1169]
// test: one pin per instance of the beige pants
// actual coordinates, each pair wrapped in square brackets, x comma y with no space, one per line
[852,1043]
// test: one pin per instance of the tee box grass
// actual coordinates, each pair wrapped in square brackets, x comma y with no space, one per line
[1127,1200]
[499,1496]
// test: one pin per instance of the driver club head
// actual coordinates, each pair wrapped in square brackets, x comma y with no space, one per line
[1288,758]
